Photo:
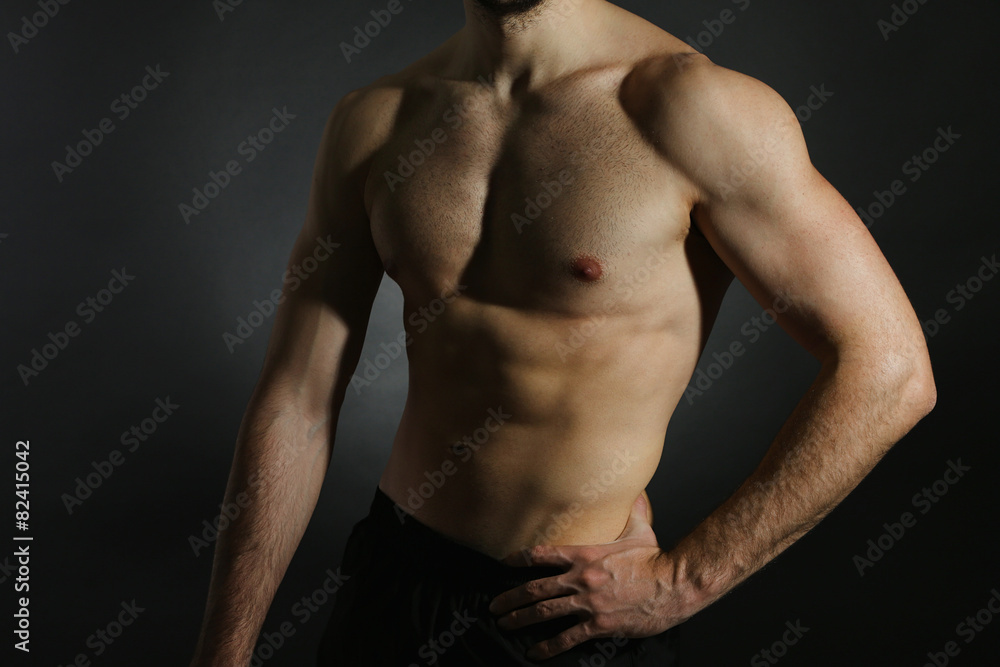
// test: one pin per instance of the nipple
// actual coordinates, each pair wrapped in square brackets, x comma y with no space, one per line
[586,268]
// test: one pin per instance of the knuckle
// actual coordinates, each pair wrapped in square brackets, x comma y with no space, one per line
[601,625]
[593,577]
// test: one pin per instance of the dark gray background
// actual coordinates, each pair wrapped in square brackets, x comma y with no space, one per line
[162,336]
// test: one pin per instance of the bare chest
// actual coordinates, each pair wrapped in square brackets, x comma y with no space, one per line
[556,206]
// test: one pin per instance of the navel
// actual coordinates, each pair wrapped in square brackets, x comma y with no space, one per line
[586,268]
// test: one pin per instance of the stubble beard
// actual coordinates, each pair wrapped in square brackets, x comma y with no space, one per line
[510,12]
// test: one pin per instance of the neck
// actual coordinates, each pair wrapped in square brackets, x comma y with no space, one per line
[508,44]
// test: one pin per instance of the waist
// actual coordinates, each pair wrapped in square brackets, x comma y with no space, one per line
[438,555]
[517,486]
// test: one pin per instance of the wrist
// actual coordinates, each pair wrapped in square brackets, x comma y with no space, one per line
[696,581]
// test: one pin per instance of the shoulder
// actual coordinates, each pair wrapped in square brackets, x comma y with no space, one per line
[687,86]
[361,122]
[706,119]
[364,119]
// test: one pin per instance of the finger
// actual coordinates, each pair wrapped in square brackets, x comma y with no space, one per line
[545,610]
[530,592]
[542,554]
[560,643]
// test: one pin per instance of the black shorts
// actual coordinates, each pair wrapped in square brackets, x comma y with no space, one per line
[415,598]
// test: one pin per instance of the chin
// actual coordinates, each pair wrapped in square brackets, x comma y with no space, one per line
[508,7]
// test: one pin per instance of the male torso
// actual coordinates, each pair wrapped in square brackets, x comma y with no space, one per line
[557,293]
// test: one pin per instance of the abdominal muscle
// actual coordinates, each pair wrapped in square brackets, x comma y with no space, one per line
[506,443]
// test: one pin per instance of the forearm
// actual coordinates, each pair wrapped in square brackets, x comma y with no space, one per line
[280,461]
[851,415]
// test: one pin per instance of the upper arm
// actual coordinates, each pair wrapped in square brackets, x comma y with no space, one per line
[783,230]
[333,275]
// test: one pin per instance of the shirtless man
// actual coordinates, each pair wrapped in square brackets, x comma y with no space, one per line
[563,192]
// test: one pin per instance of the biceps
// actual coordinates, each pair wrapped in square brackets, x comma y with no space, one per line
[801,250]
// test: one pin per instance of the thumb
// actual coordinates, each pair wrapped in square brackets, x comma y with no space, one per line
[638,524]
